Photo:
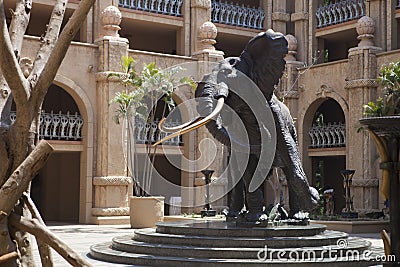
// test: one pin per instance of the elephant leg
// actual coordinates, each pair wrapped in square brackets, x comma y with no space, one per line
[294,202]
[255,199]
[301,195]
[236,198]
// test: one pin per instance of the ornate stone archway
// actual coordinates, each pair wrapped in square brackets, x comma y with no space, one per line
[86,169]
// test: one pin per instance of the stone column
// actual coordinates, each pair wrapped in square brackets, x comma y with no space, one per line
[200,11]
[206,53]
[376,9]
[361,87]
[279,16]
[112,186]
[300,19]
[289,85]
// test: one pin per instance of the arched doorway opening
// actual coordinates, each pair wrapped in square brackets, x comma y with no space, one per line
[55,189]
[325,141]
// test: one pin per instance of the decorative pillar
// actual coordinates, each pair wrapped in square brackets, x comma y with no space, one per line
[289,87]
[112,186]
[300,19]
[361,87]
[279,16]
[206,54]
[200,12]
[376,10]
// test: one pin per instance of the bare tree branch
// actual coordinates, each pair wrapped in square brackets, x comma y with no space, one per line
[44,249]
[19,24]
[60,50]
[9,64]
[33,227]
[49,40]
[18,182]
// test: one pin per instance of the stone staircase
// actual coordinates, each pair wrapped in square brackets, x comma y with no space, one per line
[216,243]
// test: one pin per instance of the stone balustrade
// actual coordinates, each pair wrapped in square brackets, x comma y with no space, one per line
[166,7]
[237,15]
[340,12]
[328,135]
[148,133]
[58,126]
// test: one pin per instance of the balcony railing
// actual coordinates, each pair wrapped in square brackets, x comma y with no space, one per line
[148,133]
[237,15]
[398,4]
[58,126]
[328,135]
[166,7]
[340,12]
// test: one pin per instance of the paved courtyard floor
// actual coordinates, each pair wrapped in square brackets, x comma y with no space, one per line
[81,237]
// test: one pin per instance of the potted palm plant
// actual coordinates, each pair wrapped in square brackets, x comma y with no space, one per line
[138,101]
[383,124]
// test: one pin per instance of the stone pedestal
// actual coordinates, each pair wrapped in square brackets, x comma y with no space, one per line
[111,199]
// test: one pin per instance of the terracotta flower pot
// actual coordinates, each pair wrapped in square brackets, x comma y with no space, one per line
[146,211]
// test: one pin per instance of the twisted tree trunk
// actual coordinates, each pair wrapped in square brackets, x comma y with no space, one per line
[20,159]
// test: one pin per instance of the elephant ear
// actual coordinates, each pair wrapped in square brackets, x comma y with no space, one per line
[265,53]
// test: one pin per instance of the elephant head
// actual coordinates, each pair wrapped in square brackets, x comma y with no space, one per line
[261,63]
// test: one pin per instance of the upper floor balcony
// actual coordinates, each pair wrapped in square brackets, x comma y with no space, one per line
[58,126]
[340,12]
[237,15]
[165,7]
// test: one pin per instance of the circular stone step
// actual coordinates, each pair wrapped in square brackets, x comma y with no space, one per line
[355,245]
[328,237]
[105,252]
[227,229]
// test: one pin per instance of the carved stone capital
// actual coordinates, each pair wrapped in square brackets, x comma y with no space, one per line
[112,180]
[123,211]
[281,16]
[299,16]
[373,83]
[206,4]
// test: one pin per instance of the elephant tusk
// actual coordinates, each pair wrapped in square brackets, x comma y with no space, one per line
[196,124]
[176,128]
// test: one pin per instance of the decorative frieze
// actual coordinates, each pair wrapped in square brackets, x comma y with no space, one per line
[106,76]
[365,183]
[112,180]
[359,83]
[123,211]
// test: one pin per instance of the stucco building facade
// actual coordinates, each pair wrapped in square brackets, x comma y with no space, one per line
[336,49]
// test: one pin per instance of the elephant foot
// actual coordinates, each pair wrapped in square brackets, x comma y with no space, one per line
[256,216]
